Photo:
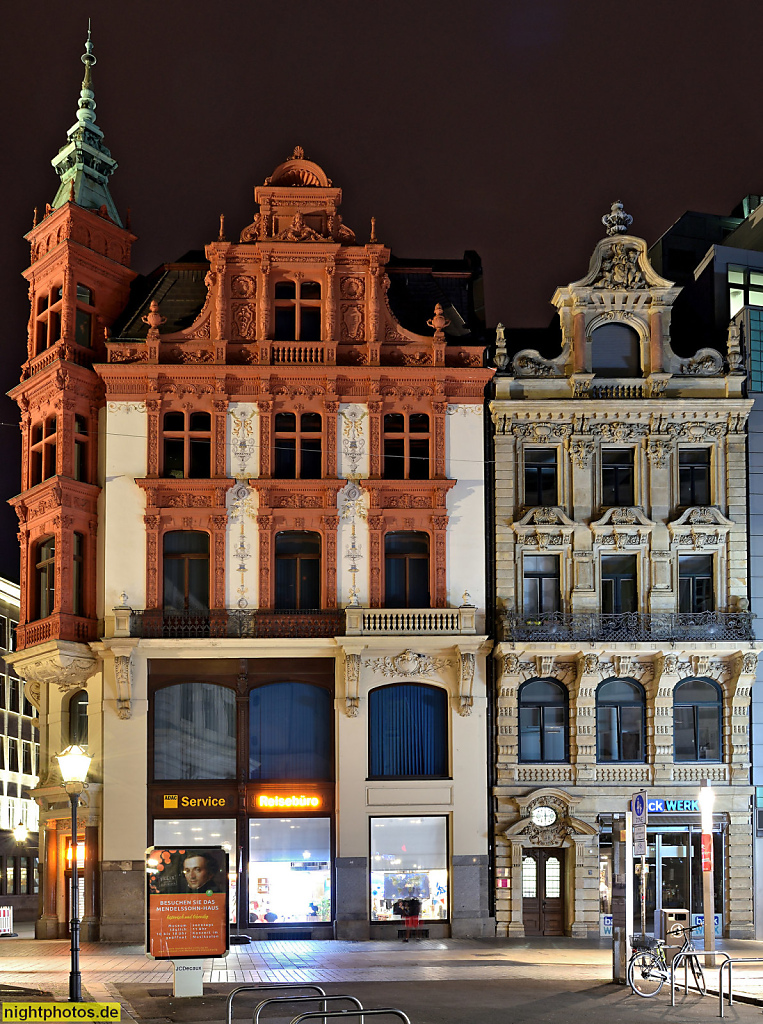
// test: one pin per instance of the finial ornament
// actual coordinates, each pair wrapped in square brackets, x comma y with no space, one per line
[154,318]
[86,105]
[34,219]
[298,154]
[617,221]
[221,232]
[438,322]
[373,237]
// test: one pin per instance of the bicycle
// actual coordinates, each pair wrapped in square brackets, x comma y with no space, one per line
[648,968]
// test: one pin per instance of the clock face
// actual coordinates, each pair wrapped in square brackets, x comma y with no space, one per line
[543,816]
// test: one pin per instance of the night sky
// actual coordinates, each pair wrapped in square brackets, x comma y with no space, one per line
[507,127]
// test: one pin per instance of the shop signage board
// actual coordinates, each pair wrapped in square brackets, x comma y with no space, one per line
[707,851]
[658,805]
[186,902]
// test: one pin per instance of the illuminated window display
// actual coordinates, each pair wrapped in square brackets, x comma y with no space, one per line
[289,870]
[203,832]
[409,858]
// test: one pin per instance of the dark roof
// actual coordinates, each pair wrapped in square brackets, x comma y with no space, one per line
[178,288]
[417,285]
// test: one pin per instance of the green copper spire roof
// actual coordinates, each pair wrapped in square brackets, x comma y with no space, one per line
[84,164]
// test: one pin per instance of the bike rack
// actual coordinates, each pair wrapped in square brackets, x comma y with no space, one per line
[304,999]
[729,961]
[264,988]
[684,955]
[388,1010]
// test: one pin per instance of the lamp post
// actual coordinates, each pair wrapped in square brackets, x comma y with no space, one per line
[74,763]
[21,833]
[706,801]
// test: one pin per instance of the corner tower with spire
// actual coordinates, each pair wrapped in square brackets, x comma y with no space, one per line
[79,280]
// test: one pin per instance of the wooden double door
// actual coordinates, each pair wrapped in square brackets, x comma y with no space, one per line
[543,891]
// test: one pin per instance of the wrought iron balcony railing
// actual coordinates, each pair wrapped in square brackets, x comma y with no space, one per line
[237,623]
[627,627]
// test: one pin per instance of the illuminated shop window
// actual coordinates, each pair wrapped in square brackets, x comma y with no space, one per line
[409,860]
[289,870]
[203,832]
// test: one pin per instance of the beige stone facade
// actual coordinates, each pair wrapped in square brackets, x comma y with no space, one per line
[620,525]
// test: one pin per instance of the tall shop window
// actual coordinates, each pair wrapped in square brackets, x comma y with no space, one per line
[290,731]
[194,732]
[408,732]
[187,445]
[298,445]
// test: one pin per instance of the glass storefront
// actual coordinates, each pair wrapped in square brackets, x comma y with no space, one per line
[674,873]
[200,832]
[409,858]
[289,870]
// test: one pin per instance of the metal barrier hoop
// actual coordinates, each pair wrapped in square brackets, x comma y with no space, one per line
[375,1011]
[728,962]
[264,988]
[684,955]
[303,999]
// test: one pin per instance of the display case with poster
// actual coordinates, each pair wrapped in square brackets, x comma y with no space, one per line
[186,902]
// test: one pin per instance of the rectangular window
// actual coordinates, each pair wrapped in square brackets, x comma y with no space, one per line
[694,476]
[289,870]
[406,446]
[15,693]
[26,754]
[540,476]
[755,348]
[541,585]
[745,288]
[13,755]
[619,592]
[10,875]
[409,861]
[695,583]
[205,832]
[617,484]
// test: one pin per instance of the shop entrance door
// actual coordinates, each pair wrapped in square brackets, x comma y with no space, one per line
[543,891]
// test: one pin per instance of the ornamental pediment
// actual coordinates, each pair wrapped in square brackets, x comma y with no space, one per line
[700,527]
[620,263]
[620,527]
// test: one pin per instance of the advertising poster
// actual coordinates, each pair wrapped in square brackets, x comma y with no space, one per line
[186,902]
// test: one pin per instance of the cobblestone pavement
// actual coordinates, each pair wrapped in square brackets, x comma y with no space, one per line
[436,980]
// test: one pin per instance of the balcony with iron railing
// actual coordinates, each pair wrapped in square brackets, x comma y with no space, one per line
[626,627]
[254,623]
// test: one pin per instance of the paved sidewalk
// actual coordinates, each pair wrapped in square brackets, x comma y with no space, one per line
[115,971]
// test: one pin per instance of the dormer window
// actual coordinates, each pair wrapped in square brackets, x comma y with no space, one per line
[297,313]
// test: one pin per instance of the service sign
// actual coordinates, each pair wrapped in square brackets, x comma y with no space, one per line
[186,902]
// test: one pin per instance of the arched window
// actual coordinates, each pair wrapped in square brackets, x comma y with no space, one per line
[78,718]
[290,732]
[298,570]
[194,732]
[542,721]
[408,731]
[406,570]
[697,720]
[615,351]
[186,571]
[45,578]
[619,721]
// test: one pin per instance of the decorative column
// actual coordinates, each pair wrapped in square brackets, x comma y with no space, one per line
[586,887]
[579,341]
[153,407]
[47,926]
[516,926]
[659,718]
[439,410]
[655,338]
[264,525]
[265,407]
[439,530]
[507,744]
[583,717]
[218,525]
[375,560]
[89,927]
[330,527]
[153,525]
[375,453]
[263,306]
[219,424]
[329,322]
[331,407]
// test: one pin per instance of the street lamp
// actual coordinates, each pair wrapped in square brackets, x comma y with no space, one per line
[21,833]
[706,801]
[74,763]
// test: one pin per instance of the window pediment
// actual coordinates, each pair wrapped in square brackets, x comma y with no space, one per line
[168,493]
[545,526]
[702,526]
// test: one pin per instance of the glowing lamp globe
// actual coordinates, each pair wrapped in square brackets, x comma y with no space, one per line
[74,764]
